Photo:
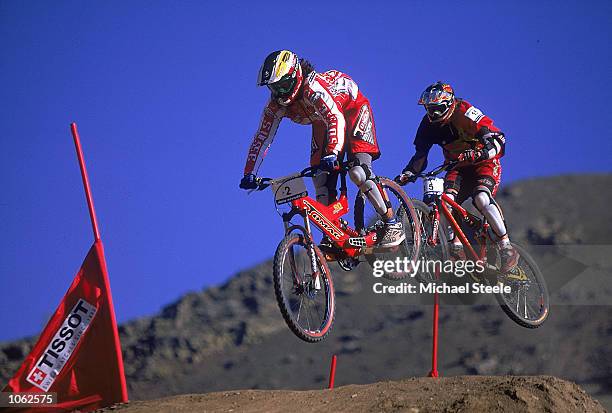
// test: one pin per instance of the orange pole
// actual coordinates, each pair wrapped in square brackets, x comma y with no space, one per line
[434,344]
[332,372]
[90,205]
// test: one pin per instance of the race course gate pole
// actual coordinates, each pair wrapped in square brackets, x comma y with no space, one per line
[332,372]
[434,344]
[90,205]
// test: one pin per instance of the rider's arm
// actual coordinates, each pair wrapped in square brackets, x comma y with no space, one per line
[422,145]
[494,142]
[270,119]
[484,129]
[330,111]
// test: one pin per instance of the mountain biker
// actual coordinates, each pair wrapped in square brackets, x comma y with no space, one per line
[342,122]
[470,137]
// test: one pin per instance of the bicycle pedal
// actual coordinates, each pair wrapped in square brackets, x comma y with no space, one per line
[357,242]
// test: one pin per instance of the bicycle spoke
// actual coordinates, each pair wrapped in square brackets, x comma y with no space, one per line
[518,299]
[525,303]
[307,314]
[300,309]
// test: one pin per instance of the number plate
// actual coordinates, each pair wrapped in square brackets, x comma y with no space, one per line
[433,186]
[289,188]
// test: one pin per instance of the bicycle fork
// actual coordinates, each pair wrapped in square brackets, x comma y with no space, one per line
[312,255]
[434,217]
[311,252]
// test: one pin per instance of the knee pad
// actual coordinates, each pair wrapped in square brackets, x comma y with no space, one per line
[484,202]
[359,174]
[372,192]
[481,199]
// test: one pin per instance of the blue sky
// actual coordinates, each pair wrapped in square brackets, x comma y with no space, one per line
[165,98]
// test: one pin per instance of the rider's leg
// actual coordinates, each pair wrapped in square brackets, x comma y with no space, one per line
[325,187]
[362,175]
[484,202]
[363,150]
[489,176]
[452,187]
[325,184]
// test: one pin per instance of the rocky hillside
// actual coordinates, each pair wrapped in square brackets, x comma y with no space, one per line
[232,336]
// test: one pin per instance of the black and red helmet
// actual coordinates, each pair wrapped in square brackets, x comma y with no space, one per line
[439,101]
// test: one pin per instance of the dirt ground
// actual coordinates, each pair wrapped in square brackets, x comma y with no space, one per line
[415,395]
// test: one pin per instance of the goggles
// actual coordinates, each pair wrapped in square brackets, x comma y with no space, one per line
[436,111]
[284,86]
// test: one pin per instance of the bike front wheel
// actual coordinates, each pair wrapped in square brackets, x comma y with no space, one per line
[304,288]
[436,253]
[528,302]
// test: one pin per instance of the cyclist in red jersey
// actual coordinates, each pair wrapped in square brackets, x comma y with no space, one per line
[470,137]
[342,123]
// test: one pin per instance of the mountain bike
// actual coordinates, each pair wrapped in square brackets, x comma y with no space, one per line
[302,279]
[528,302]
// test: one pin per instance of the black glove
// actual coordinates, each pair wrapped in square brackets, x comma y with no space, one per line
[471,156]
[405,177]
[248,182]
[329,163]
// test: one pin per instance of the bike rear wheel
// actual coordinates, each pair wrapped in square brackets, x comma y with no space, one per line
[366,217]
[306,301]
[528,303]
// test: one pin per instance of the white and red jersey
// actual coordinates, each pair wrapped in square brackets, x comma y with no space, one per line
[332,103]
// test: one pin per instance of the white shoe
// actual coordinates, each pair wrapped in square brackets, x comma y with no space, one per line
[392,235]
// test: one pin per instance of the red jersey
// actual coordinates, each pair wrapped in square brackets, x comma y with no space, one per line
[332,103]
[467,128]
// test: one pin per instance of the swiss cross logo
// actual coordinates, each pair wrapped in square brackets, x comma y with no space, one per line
[37,376]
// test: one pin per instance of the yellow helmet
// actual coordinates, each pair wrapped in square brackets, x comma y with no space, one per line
[281,72]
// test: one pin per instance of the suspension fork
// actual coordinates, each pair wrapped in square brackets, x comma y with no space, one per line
[434,217]
[307,236]
[311,253]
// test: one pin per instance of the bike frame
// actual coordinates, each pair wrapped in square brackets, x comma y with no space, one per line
[328,220]
[443,202]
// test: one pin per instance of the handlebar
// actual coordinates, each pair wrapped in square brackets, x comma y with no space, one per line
[309,172]
[439,169]
[436,171]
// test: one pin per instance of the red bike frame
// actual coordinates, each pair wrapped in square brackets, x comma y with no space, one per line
[328,220]
[442,202]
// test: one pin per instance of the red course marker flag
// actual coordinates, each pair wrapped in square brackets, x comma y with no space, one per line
[78,354]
